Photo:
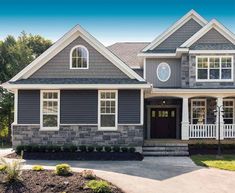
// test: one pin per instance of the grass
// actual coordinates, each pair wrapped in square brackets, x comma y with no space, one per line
[227,162]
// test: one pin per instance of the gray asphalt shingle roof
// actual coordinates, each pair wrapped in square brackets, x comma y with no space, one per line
[127,51]
[77,81]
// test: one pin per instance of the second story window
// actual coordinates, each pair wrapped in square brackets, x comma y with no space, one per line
[214,68]
[79,57]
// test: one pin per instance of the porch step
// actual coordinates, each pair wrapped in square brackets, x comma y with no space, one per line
[166,150]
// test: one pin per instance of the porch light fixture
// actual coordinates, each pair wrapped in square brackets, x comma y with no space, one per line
[163,102]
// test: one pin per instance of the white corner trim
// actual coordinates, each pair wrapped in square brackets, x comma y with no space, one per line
[212,24]
[141,107]
[63,42]
[144,68]
[16,107]
[71,57]
[190,15]
[41,111]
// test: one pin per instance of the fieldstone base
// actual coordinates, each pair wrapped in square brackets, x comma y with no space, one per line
[78,135]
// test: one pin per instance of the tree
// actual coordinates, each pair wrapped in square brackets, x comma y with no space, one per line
[15,54]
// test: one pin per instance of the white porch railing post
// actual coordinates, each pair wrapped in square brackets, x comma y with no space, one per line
[185,120]
[219,103]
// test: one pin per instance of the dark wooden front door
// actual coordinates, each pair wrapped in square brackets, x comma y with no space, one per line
[163,123]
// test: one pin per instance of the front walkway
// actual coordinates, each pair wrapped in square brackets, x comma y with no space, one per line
[156,175]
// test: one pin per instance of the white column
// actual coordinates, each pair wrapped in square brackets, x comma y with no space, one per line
[185,120]
[16,107]
[219,104]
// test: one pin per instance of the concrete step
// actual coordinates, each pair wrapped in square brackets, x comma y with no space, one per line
[162,153]
[166,148]
[148,144]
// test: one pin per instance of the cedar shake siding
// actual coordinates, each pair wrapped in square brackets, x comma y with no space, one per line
[28,107]
[59,65]
[79,107]
[179,36]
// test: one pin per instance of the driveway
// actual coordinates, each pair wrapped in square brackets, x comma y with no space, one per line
[156,175]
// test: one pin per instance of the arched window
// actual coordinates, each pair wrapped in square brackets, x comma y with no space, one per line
[79,57]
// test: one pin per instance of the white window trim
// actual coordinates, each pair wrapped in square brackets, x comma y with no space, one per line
[214,80]
[192,100]
[158,70]
[116,112]
[41,111]
[71,61]
[231,99]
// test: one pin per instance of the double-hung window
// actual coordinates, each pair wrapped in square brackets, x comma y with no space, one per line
[50,110]
[228,106]
[214,68]
[198,111]
[107,110]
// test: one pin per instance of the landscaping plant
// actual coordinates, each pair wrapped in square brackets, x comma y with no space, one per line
[99,148]
[88,174]
[13,169]
[99,186]
[132,149]
[90,148]
[37,168]
[124,149]
[107,148]
[116,149]
[63,170]
[82,148]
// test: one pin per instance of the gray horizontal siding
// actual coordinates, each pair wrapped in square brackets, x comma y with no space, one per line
[151,72]
[28,107]
[78,106]
[180,35]
[212,40]
[129,106]
[59,65]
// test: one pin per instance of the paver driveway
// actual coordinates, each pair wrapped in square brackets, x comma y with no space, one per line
[157,175]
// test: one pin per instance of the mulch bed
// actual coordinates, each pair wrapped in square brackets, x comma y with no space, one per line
[117,156]
[194,150]
[48,182]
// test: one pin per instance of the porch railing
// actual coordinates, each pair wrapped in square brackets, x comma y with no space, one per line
[202,131]
[229,130]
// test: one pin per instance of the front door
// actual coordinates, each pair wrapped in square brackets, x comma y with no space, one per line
[163,123]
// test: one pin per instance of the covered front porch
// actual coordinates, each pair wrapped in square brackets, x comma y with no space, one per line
[189,116]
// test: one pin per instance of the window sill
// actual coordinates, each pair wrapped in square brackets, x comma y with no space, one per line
[107,129]
[79,68]
[49,129]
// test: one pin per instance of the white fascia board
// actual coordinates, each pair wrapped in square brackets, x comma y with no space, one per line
[212,52]
[190,15]
[63,42]
[212,24]
[157,55]
[75,86]
[193,91]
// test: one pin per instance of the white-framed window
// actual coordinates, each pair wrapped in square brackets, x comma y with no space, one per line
[228,107]
[214,68]
[50,108]
[198,111]
[108,109]
[79,57]
[163,72]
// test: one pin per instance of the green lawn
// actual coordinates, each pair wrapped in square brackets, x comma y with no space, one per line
[225,163]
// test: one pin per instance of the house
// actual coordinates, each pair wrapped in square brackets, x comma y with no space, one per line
[80,92]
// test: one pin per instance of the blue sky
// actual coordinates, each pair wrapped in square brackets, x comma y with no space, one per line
[108,20]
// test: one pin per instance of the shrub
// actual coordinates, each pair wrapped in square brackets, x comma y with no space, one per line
[19,148]
[12,169]
[63,170]
[35,148]
[27,148]
[124,149]
[88,174]
[107,148]
[2,168]
[90,148]
[132,149]
[99,186]
[99,148]
[37,168]
[82,148]
[116,149]
[42,148]
[53,148]
[69,148]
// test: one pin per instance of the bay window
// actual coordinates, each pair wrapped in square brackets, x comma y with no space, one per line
[107,110]
[214,68]
[50,110]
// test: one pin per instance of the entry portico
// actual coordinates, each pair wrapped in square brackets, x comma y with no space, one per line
[189,114]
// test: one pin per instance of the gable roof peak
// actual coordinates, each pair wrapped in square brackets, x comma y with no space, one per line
[212,24]
[192,14]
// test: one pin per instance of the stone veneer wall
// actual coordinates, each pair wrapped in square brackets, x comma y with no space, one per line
[78,135]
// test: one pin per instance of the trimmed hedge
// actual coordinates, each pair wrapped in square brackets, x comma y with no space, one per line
[71,148]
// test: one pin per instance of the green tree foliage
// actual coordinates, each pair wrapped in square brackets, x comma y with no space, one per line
[15,54]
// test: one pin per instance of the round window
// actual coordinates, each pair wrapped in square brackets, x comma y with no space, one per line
[163,72]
